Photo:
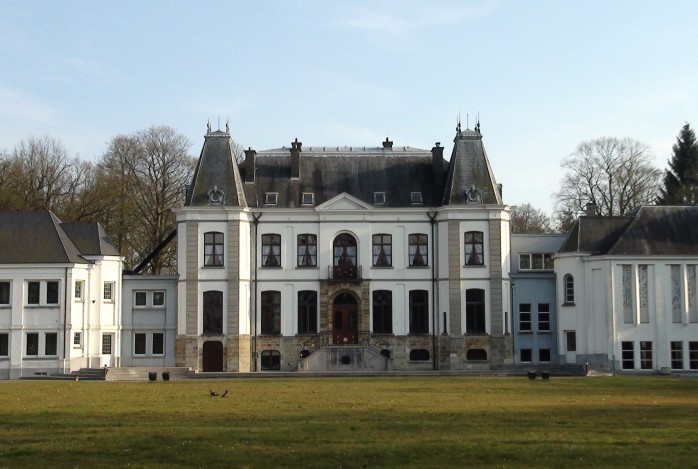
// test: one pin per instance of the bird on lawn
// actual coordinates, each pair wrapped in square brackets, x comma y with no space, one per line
[213,393]
[225,394]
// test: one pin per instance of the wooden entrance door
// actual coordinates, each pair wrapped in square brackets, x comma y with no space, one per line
[213,355]
[345,320]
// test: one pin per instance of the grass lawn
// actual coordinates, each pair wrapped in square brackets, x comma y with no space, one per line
[372,422]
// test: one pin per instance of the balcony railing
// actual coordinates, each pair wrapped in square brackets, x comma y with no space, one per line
[344,273]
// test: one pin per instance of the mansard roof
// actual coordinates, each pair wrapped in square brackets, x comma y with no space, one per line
[41,238]
[216,170]
[327,172]
[470,169]
[646,231]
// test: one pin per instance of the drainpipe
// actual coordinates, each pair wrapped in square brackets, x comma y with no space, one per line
[65,318]
[434,288]
[255,222]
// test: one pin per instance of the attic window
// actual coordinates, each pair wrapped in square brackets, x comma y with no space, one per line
[307,198]
[416,198]
[379,197]
[270,198]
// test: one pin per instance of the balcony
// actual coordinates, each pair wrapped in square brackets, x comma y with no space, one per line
[344,273]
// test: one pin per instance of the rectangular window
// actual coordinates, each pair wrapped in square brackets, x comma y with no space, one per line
[417,250]
[676,294]
[4,293]
[543,317]
[79,289]
[307,312]
[271,312]
[139,299]
[525,317]
[271,198]
[419,312]
[382,312]
[271,250]
[32,344]
[416,198]
[77,339]
[51,344]
[692,293]
[106,344]
[213,249]
[139,344]
[158,343]
[158,298]
[525,355]
[627,355]
[677,355]
[536,261]
[643,287]
[51,293]
[4,345]
[33,293]
[646,355]
[570,341]
[693,355]
[307,198]
[379,197]
[627,294]
[108,291]
[474,248]
[306,245]
[382,250]
[524,262]
[544,355]
[475,311]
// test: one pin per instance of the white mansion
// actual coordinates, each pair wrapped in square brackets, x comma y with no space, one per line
[352,258]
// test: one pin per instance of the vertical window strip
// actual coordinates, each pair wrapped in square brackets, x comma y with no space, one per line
[692,286]
[643,286]
[627,288]
[676,300]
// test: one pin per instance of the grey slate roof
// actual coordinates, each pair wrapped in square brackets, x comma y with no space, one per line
[646,231]
[90,239]
[329,171]
[216,168]
[470,167]
[359,171]
[35,237]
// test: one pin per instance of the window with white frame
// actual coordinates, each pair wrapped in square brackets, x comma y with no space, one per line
[42,292]
[271,250]
[108,291]
[693,355]
[140,299]
[382,250]
[4,345]
[568,286]
[416,198]
[107,344]
[158,341]
[213,249]
[379,198]
[77,339]
[139,343]
[544,355]
[536,261]
[271,198]
[307,198]
[152,343]
[646,355]
[4,293]
[525,317]
[32,344]
[79,290]
[51,344]
[474,248]
[526,355]
[543,317]
[158,298]
[627,350]
[418,254]
[306,245]
[676,355]
[35,341]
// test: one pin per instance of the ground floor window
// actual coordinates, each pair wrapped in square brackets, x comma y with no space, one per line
[627,355]
[139,344]
[307,312]
[382,312]
[419,355]
[475,311]
[571,341]
[33,344]
[158,343]
[677,355]
[693,355]
[419,312]
[271,312]
[646,355]
[525,355]
[51,344]
[4,345]
[544,355]
[525,317]
[271,360]
[106,344]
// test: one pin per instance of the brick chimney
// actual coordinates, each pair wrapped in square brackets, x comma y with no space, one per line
[296,159]
[437,163]
[250,164]
[387,145]
[590,209]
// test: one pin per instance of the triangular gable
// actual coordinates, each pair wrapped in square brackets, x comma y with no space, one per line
[344,201]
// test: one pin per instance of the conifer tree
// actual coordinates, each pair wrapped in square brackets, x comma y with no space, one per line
[681,178]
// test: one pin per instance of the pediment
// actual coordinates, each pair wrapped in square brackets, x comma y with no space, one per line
[344,201]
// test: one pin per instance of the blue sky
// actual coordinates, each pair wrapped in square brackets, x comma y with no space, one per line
[543,76]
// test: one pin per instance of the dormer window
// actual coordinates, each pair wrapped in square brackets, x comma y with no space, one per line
[416,198]
[271,198]
[379,197]
[307,198]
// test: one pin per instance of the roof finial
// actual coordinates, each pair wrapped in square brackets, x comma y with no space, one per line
[208,125]
[227,127]
[219,122]
[458,124]
[477,126]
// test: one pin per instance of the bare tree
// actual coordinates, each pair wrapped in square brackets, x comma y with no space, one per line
[615,174]
[526,218]
[144,174]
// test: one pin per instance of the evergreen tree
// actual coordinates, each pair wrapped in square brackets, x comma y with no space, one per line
[681,178]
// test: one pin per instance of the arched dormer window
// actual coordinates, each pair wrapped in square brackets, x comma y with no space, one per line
[568,285]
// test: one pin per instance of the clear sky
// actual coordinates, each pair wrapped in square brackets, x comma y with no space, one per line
[542,75]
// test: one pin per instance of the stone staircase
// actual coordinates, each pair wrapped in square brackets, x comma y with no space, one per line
[145,373]
[344,358]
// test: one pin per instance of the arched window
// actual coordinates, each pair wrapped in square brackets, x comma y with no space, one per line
[475,311]
[213,249]
[474,248]
[568,285]
[344,257]
[271,360]
[213,312]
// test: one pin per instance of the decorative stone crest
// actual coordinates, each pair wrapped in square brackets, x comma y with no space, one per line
[216,196]
[473,195]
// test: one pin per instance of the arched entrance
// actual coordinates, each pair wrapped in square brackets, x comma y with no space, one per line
[213,355]
[345,320]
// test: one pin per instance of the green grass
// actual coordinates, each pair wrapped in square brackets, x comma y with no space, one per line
[352,422]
